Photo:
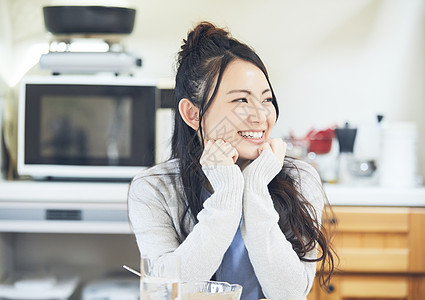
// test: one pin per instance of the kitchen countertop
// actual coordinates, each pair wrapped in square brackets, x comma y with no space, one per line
[375,196]
[63,191]
[23,204]
[104,192]
[26,198]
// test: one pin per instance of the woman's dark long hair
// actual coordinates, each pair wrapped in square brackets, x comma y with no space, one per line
[201,62]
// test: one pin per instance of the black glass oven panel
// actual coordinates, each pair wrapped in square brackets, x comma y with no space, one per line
[90,125]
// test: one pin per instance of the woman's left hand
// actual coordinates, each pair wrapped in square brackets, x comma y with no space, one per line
[277,146]
[261,171]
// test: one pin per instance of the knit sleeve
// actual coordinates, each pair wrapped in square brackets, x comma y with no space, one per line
[281,273]
[152,206]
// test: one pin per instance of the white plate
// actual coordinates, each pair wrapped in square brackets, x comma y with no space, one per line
[39,288]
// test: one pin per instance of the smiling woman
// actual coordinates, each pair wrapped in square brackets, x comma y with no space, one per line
[243,98]
[228,189]
[241,114]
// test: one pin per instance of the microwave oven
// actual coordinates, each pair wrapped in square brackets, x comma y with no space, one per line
[85,126]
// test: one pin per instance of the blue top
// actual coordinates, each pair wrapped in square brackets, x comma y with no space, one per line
[236,266]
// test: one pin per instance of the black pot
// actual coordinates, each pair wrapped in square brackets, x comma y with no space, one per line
[89,19]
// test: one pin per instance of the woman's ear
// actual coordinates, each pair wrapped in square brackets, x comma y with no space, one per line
[189,113]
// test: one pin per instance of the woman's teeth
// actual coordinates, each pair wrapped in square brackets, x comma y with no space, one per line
[251,134]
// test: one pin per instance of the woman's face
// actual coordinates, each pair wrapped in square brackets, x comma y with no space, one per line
[242,112]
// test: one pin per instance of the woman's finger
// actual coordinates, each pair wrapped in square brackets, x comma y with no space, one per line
[265,146]
[218,152]
[208,144]
[278,147]
[235,155]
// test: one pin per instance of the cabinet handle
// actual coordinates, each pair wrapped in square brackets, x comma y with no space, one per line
[332,221]
[330,288]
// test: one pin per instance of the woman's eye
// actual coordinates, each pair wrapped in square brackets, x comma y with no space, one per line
[240,100]
[268,100]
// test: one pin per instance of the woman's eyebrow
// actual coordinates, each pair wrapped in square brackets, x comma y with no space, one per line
[239,91]
[246,91]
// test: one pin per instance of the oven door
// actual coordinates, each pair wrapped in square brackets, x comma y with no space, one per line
[86,129]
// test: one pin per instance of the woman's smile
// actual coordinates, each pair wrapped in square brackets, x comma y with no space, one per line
[255,135]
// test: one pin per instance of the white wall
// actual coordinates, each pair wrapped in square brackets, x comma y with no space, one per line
[329,61]
[5,47]
[5,44]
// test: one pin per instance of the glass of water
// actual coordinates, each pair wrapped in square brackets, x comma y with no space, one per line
[160,277]
[210,290]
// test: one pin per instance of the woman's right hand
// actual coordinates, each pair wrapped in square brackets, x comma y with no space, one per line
[218,153]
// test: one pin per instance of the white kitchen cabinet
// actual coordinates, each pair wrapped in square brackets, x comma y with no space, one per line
[90,249]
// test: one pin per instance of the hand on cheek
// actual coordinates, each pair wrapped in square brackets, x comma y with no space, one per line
[277,146]
[218,153]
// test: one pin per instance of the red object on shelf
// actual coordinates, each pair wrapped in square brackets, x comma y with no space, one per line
[320,142]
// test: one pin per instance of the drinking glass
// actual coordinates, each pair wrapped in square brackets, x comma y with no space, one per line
[160,277]
[210,290]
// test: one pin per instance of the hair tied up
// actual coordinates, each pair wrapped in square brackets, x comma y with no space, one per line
[205,39]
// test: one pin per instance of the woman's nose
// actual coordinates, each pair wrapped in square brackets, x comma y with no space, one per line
[257,112]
